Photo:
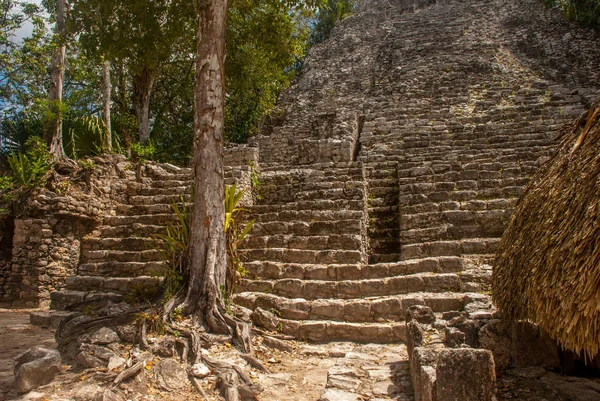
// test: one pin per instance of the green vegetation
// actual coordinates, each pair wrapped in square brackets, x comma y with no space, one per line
[151,62]
[30,168]
[176,239]
[328,16]
[585,12]
[175,243]
[235,233]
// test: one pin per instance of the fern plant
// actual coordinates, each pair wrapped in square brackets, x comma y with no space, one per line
[176,240]
[30,167]
[235,233]
[175,243]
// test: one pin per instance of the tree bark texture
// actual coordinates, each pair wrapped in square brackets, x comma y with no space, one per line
[207,254]
[142,88]
[106,87]
[53,130]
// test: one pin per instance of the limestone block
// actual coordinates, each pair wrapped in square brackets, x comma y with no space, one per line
[423,374]
[171,375]
[420,313]
[465,374]
[532,347]
[36,367]
[495,336]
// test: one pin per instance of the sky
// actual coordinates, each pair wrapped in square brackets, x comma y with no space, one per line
[25,29]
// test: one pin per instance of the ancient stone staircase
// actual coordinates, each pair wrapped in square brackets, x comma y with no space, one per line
[122,259]
[386,180]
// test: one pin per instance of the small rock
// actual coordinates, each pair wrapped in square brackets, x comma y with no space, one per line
[116,362]
[277,344]
[35,367]
[88,361]
[338,395]
[200,370]
[108,395]
[420,313]
[265,319]
[104,336]
[454,337]
[171,375]
[127,333]
[86,392]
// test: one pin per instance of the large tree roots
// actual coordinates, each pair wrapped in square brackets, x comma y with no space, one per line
[184,339]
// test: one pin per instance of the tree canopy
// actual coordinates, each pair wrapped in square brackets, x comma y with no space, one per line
[150,48]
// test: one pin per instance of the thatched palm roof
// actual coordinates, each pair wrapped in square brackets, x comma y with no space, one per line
[548,265]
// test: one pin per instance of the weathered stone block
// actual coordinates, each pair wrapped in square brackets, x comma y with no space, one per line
[36,367]
[532,347]
[465,375]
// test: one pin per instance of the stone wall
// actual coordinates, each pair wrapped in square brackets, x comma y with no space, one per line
[49,246]
[240,164]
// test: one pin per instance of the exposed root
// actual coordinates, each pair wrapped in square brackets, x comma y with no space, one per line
[130,372]
[255,363]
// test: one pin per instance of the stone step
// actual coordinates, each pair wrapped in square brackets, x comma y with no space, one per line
[308,215]
[384,245]
[288,255]
[449,248]
[390,193]
[308,228]
[391,233]
[121,269]
[147,219]
[377,258]
[59,300]
[374,309]
[383,210]
[384,221]
[316,242]
[315,204]
[447,231]
[475,204]
[150,255]
[133,230]
[321,331]
[161,208]
[118,285]
[166,184]
[348,193]
[185,175]
[129,243]
[185,189]
[347,289]
[49,319]
[140,200]
[383,182]
[340,272]
[315,170]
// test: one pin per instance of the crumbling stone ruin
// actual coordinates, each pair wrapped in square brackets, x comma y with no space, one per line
[388,173]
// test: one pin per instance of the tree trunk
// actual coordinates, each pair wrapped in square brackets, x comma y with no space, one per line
[53,129]
[142,88]
[107,145]
[207,255]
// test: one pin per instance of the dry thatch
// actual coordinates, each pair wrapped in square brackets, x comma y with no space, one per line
[548,265]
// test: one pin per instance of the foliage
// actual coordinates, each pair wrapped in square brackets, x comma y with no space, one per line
[586,12]
[235,233]
[328,15]
[142,153]
[175,244]
[30,167]
[265,39]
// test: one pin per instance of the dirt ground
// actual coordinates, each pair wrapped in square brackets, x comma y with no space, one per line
[299,375]
[17,336]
